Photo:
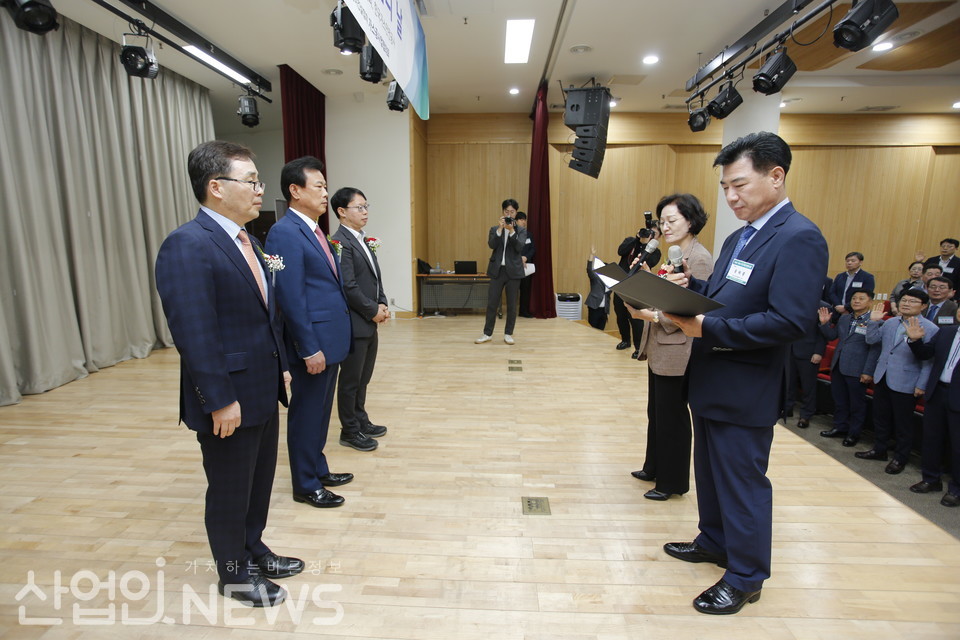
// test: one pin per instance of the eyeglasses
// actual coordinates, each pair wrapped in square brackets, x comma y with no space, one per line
[360,207]
[256,186]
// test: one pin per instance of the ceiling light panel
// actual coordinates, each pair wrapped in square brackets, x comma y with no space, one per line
[519,39]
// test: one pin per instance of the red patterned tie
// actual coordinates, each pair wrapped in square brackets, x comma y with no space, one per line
[248,253]
[326,249]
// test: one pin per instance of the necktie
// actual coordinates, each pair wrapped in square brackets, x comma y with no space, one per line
[932,314]
[326,249]
[247,249]
[748,232]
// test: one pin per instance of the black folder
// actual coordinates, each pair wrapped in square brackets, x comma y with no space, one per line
[646,290]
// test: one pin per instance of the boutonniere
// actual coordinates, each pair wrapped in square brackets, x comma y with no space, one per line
[373,244]
[274,263]
[336,245]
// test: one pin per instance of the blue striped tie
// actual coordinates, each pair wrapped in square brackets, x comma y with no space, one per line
[748,232]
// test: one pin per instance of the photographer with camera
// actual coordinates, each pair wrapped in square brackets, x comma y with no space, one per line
[629,250]
[505,270]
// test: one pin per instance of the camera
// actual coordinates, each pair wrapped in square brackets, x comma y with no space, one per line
[648,220]
[507,220]
[644,233]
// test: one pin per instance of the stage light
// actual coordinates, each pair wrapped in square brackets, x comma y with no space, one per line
[347,34]
[371,64]
[140,62]
[726,101]
[35,16]
[774,73]
[247,111]
[864,23]
[396,99]
[699,119]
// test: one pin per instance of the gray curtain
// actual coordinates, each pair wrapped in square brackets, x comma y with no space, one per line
[92,178]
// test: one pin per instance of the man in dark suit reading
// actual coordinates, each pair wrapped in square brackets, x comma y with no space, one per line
[363,285]
[769,274]
[222,311]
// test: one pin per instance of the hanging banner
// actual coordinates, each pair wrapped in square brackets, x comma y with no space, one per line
[393,27]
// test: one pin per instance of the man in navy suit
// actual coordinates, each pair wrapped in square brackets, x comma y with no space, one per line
[948,261]
[849,282]
[317,328]
[363,285]
[851,368]
[222,312]
[768,276]
[941,414]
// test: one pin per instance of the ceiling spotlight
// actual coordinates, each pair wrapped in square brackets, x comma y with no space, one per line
[140,62]
[651,59]
[864,23]
[347,34]
[699,119]
[883,46]
[726,101]
[35,16]
[514,91]
[774,73]
[613,102]
[396,99]
[371,64]
[247,111]
[956,105]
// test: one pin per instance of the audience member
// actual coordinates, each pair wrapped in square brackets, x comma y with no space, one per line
[804,362]
[527,256]
[852,280]
[851,368]
[913,280]
[948,261]
[929,271]
[363,285]
[898,378]
[941,414]
[942,307]
[630,249]
[505,269]
[598,300]
[667,458]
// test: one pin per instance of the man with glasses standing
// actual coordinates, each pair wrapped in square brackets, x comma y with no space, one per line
[222,311]
[363,285]
[317,323]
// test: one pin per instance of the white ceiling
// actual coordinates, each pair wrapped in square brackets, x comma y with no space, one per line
[465,41]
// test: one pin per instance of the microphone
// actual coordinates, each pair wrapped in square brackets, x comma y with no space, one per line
[675,258]
[647,250]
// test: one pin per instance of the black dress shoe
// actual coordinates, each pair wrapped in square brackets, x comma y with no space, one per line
[643,475]
[894,467]
[873,454]
[692,552]
[623,345]
[927,487]
[255,591]
[336,479]
[320,498]
[950,500]
[803,423]
[851,441]
[833,433]
[359,441]
[653,494]
[275,567]
[635,354]
[722,599]
[374,430]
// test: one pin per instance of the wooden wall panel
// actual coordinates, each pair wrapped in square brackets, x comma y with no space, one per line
[465,186]
[695,174]
[864,199]
[940,215]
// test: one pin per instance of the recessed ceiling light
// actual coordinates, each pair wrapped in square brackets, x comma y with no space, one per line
[613,102]
[519,39]
[883,46]
[956,105]
[783,104]
[333,72]
[651,59]
[581,48]
[514,91]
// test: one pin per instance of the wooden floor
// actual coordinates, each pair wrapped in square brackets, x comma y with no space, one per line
[100,483]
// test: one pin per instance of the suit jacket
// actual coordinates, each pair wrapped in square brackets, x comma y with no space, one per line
[946,314]
[668,348]
[630,248]
[598,291]
[738,366]
[862,281]
[315,312]
[954,264]
[812,341]
[514,247]
[897,364]
[939,350]
[230,343]
[852,357]
[529,249]
[362,283]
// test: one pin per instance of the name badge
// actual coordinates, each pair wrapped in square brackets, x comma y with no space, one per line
[861,330]
[948,270]
[856,285]
[945,320]
[739,271]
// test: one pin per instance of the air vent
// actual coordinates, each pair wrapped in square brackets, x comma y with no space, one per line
[675,107]
[878,108]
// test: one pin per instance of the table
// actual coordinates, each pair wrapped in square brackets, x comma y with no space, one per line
[453,291]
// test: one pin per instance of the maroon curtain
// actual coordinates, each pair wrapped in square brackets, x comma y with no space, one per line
[304,108]
[543,301]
